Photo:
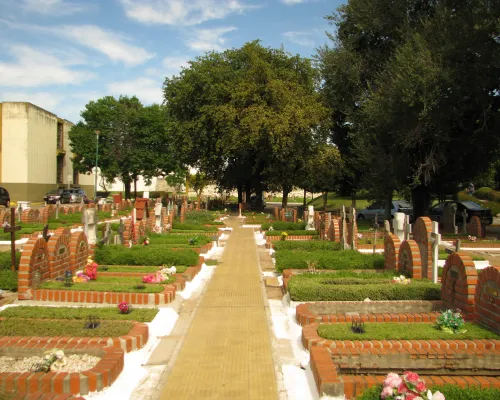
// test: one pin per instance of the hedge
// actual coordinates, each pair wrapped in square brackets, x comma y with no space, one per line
[450,392]
[5,260]
[486,193]
[200,240]
[284,226]
[201,217]
[320,289]
[8,280]
[314,234]
[144,255]
[306,245]
[342,259]
[193,227]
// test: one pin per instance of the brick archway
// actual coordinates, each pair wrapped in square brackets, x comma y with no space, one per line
[409,260]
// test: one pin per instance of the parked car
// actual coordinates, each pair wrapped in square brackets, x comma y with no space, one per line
[77,195]
[377,208]
[53,196]
[4,197]
[473,209]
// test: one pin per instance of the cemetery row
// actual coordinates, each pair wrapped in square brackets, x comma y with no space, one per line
[121,277]
[354,304]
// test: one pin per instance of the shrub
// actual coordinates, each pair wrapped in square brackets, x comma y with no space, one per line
[343,259]
[5,260]
[314,234]
[321,289]
[201,217]
[155,238]
[449,392]
[284,226]
[306,245]
[194,227]
[8,280]
[486,193]
[144,255]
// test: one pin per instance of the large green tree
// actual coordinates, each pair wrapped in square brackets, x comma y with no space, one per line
[247,118]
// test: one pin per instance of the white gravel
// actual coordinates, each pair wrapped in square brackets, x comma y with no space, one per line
[75,363]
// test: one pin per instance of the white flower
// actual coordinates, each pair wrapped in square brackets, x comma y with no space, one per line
[59,354]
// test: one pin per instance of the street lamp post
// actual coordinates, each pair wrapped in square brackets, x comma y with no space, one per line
[97,133]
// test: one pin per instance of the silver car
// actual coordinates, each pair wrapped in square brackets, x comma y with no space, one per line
[369,213]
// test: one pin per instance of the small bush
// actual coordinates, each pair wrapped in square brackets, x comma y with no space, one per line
[201,217]
[343,259]
[194,227]
[314,234]
[8,280]
[306,245]
[321,289]
[486,193]
[284,226]
[144,255]
[5,260]
[449,392]
[156,238]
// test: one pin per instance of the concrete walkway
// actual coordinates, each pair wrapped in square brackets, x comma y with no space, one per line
[227,352]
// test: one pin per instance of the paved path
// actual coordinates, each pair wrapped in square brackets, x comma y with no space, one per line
[227,351]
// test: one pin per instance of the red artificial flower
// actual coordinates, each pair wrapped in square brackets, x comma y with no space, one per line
[412,377]
[403,388]
[411,396]
[421,387]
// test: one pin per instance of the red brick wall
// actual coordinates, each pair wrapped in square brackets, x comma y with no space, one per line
[487,298]
[458,284]
[391,251]
[475,228]
[29,215]
[59,252]
[409,261]
[422,235]
[34,258]
[79,250]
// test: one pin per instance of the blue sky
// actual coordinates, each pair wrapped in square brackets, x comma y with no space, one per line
[60,54]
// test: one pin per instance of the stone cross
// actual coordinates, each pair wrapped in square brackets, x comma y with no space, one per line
[310,219]
[19,211]
[134,216]
[387,226]
[119,238]
[58,203]
[407,227]
[344,230]
[89,218]
[375,231]
[12,229]
[398,224]
[352,225]
[435,240]
[464,222]
[158,221]
[107,234]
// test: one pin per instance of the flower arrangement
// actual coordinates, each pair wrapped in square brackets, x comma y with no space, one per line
[80,277]
[145,241]
[91,269]
[160,276]
[124,307]
[472,238]
[359,236]
[283,235]
[409,387]
[401,279]
[53,360]
[311,266]
[299,220]
[193,241]
[271,229]
[451,322]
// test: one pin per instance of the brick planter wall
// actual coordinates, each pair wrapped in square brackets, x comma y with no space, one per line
[422,236]
[30,215]
[59,252]
[409,261]
[35,258]
[487,298]
[475,228]
[79,250]
[391,251]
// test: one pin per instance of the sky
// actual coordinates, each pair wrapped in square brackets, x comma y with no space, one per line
[61,54]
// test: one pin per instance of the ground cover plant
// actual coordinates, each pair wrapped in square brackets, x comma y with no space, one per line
[144,255]
[194,227]
[194,240]
[306,245]
[110,284]
[201,218]
[79,313]
[140,269]
[257,217]
[70,328]
[284,226]
[325,259]
[399,331]
[450,392]
[314,234]
[329,287]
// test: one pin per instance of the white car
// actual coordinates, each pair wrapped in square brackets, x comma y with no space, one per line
[369,213]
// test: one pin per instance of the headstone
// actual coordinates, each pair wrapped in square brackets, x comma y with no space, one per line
[436,241]
[58,204]
[158,221]
[146,195]
[90,224]
[119,238]
[240,206]
[464,222]
[375,232]
[310,219]
[354,230]
[449,214]
[344,230]
[398,225]
[387,226]
[407,228]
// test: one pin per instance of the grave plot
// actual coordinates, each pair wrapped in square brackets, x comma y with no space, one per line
[354,345]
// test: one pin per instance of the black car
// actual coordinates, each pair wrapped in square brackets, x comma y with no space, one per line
[61,195]
[473,209]
[4,197]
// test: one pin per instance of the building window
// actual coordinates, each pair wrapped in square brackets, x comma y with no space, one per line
[60,167]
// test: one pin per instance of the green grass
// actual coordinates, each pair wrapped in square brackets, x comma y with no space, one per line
[70,328]
[211,262]
[306,245]
[104,313]
[314,234]
[258,218]
[142,269]
[450,392]
[156,238]
[397,331]
[144,256]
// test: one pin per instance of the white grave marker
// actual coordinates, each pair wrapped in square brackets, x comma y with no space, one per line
[435,240]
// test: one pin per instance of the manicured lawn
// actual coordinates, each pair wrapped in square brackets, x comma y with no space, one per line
[397,331]
[145,269]
[79,313]
[71,328]
[258,218]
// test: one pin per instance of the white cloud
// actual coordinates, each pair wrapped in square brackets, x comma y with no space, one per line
[182,12]
[52,7]
[37,68]
[110,43]
[209,39]
[300,38]
[146,89]
[173,65]
[292,2]
[46,100]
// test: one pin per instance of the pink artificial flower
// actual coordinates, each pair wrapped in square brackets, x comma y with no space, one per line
[392,380]
[403,388]
[387,392]
[421,387]
[410,396]
[438,396]
[412,377]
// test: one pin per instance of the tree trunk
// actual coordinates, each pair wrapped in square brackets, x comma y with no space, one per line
[259,193]
[388,205]
[325,200]
[248,192]
[135,187]
[240,194]
[305,198]
[353,199]
[421,199]
[126,183]
[284,202]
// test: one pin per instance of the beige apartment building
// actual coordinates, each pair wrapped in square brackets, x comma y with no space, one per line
[35,155]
